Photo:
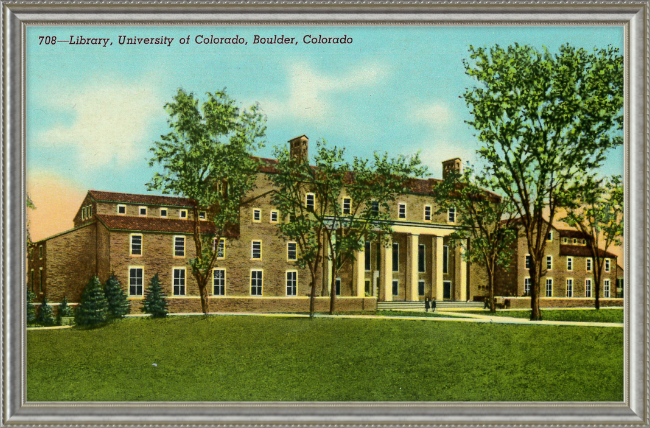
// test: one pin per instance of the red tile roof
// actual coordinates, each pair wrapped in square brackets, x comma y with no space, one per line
[156,224]
[582,251]
[102,196]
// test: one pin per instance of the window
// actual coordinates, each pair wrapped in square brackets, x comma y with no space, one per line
[589,263]
[569,263]
[584,242]
[163,212]
[179,282]
[528,259]
[135,281]
[256,282]
[292,283]
[40,252]
[374,206]
[179,246]
[451,215]
[90,210]
[549,287]
[549,236]
[310,201]
[136,244]
[606,291]
[337,284]
[368,290]
[569,287]
[219,282]
[366,256]
[549,262]
[445,259]
[142,211]
[395,257]
[401,210]
[565,240]
[427,213]
[527,286]
[421,287]
[257,215]
[607,265]
[422,258]
[121,209]
[588,287]
[256,250]
[274,216]
[575,241]
[292,251]
[201,215]
[347,205]
[395,287]
[182,214]
[221,250]
[83,213]
[40,280]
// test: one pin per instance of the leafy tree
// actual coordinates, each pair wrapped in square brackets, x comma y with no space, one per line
[93,309]
[485,221]
[545,121]
[155,301]
[596,210]
[65,310]
[118,304]
[31,310]
[326,225]
[206,157]
[45,315]
[30,204]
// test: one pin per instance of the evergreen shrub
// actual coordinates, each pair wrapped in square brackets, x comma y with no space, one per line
[118,305]
[155,301]
[93,309]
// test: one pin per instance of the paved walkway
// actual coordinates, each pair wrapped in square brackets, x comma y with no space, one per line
[454,317]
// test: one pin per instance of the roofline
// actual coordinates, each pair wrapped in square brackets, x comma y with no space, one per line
[138,203]
[63,233]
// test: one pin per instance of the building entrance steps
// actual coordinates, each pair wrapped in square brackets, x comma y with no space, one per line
[419,306]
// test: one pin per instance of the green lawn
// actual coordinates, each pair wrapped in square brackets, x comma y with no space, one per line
[585,315]
[223,358]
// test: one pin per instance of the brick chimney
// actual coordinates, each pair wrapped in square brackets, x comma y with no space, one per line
[299,148]
[451,165]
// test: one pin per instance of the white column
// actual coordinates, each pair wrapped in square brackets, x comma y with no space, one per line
[462,280]
[437,245]
[360,272]
[412,265]
[386,273]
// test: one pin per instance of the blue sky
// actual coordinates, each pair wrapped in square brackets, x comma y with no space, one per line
[93,112]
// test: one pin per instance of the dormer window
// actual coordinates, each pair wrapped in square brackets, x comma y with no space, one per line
[121,209]
[310,202]
[451,215]
[182,214]
[575,241]
[401,210]
[163,212]
[347,205]
[142,211]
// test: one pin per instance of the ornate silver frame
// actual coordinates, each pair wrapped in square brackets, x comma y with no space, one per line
[633,15]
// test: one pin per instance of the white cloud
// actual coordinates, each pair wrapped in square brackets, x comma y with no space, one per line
[110,121]
[436,115]
[309,91]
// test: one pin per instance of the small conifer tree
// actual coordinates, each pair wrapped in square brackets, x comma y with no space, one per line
[93,309]
[31,310]
[155,301]
[64,311]
[118,305]
[46,316]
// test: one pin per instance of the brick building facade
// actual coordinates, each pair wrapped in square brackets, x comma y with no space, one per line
[138,236]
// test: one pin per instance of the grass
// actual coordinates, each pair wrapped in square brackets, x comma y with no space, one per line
[225,358]
[583,315]
[414,314]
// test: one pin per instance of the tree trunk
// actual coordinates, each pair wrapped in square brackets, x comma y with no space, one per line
[535,313]
[203,291]
[312,296]
[333,289]
[493,307]
[597,278]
